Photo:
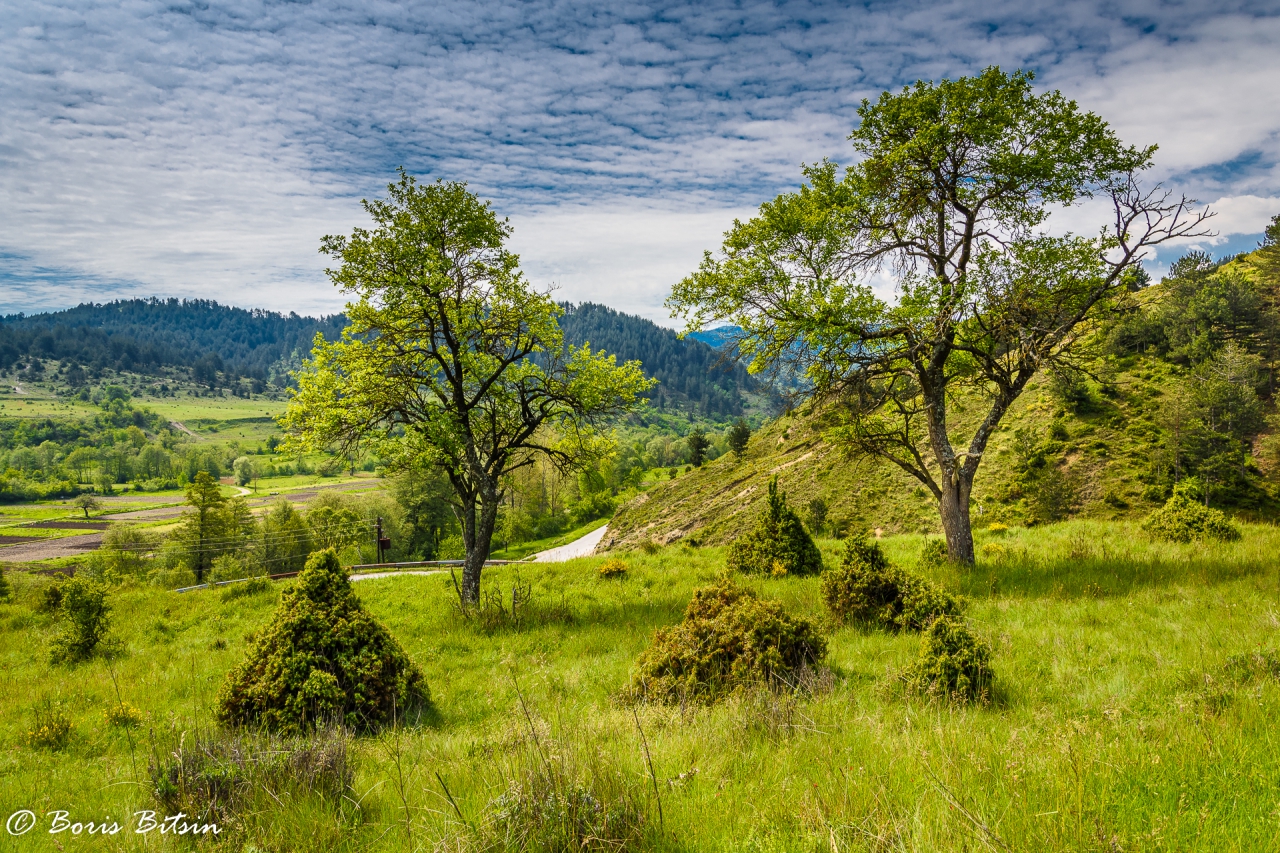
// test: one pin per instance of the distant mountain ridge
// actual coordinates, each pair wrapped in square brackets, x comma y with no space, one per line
[147,335]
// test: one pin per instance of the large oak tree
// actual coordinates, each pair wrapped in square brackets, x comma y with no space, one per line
[950,199]
[452,358]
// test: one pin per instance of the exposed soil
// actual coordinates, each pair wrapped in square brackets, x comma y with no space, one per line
[48,549]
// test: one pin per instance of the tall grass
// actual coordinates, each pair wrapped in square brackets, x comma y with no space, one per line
[1132,717]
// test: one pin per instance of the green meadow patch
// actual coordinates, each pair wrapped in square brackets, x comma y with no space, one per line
[1136,693]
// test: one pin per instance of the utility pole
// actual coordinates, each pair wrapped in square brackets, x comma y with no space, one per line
[379,535]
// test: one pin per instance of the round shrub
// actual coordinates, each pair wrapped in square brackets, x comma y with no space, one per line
[778,545]
[953,664]
[865,588]
[730,638]
[322,659]
[1185,519]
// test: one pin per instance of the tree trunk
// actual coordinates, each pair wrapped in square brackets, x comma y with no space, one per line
[954,509]
[478,536]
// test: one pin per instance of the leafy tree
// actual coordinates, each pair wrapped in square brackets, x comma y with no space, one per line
[80,460]
[86,502]
[452,357]
[951,195]
[286,539]
[335,527]
[245,470]
[739,435]
[698,444]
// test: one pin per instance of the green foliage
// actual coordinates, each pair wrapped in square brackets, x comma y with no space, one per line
[698,444]
[957,177]
[336,527]
[953,665]
[322,659]
[6,588]
[483,379]
[867,589]
[86,618]
[778,545]
[1184,519]
[933,553]
[729,639]
[739,436]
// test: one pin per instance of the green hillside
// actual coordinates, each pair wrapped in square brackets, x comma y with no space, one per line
[1106,448]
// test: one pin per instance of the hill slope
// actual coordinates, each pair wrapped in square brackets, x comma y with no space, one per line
[1102,451]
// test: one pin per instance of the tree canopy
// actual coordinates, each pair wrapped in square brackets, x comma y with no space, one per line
[453,357]
[951,200]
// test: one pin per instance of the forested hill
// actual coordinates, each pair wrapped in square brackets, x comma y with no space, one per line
[218,343]
[691,375]
[145,334]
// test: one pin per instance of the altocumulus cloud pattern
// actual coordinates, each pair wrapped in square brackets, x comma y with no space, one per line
[203,149]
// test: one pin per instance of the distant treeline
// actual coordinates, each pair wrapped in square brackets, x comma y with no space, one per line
[690,374]
[143,335]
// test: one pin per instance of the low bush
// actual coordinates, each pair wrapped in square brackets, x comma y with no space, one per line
[778,544]
[953,664]
[52,729]
[729,639]
[86,618]
[865,588]
[613,569]
[1184,519]
[6,589]
[322,659]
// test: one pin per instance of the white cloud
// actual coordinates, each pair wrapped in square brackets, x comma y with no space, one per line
[193,149]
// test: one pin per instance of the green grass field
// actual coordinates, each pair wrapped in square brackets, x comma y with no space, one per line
[1119,724]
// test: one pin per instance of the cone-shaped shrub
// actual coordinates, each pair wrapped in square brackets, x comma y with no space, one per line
[1184,519]
[865,588]
[779,544]
[729,638]
[322,659]
[953,664]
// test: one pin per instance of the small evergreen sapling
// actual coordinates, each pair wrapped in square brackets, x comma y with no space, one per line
[779,543]
[322,659]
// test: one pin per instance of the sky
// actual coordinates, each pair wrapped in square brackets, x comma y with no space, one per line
[196,149]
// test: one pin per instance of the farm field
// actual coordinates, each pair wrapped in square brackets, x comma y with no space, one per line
[1136,693]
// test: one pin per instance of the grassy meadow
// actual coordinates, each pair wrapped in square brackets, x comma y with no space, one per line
[1134,711]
